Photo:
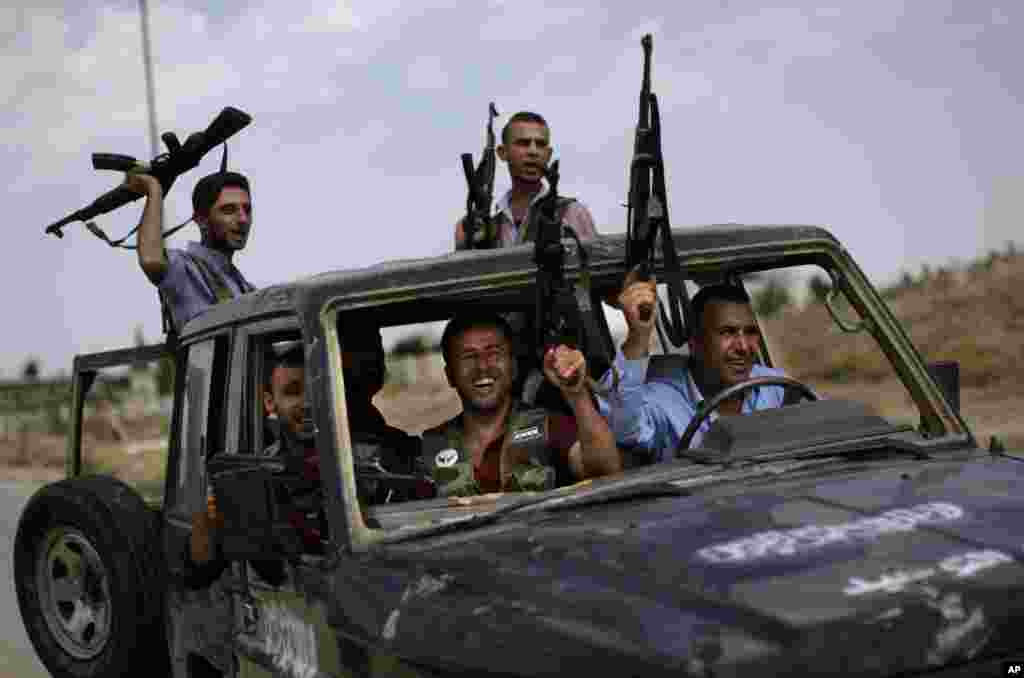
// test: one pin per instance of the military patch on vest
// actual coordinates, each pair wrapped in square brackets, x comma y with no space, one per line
[527,435]
[447,457]
[527,466]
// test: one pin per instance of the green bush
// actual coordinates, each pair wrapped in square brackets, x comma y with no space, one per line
[772,298]
[819,287]
[55,423]
[165,376]
[414,345]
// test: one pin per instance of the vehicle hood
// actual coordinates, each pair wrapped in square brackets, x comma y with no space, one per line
[855,572]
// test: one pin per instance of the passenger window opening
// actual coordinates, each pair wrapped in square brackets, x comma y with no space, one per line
[201,431]
[265,350]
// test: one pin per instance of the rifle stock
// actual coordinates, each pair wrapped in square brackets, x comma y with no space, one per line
[165,168]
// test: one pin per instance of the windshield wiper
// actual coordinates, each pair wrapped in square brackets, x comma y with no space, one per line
[472,521]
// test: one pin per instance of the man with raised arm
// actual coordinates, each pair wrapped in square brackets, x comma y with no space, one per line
[650,417]
[191,280]
[497,444]
[526,149]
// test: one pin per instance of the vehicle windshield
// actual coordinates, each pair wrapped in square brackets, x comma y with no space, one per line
[418,463]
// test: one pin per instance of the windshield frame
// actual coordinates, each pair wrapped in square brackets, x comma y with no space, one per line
[938,419]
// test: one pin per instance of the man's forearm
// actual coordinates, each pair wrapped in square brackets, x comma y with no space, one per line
[460,235]
[599,454]
[625,406]
[151,245]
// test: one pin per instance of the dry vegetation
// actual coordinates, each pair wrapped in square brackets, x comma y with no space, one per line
[973,315]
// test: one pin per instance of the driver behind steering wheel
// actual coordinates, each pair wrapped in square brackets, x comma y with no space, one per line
[650,417]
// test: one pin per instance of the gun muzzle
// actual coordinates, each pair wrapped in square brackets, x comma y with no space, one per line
[118,163]
[229,122]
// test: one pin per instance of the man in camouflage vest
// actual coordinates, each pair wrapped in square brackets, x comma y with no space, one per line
[496,444]
[526,149]
[191,280]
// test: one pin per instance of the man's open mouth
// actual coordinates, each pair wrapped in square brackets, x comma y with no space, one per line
[484,385]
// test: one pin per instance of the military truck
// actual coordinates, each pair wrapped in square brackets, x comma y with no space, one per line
[819,538]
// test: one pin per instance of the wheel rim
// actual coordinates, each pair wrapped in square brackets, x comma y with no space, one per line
[74,592]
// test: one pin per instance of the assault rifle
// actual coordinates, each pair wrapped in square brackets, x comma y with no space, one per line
[478,225]
[556,306]
[647,211]
[564,312]
[166,167]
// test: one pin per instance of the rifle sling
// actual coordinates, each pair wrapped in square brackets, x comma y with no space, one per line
[119,243]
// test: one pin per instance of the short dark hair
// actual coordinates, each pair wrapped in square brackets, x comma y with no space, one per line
[464,322]
[208,189]
[292,355]
[717,292]
[521,116]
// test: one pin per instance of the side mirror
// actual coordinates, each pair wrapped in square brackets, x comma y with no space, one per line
[947,374]
[247,488]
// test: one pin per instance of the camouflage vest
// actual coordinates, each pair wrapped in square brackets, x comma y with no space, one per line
[524,445]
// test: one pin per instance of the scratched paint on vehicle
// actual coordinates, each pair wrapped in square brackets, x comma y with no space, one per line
[295,635]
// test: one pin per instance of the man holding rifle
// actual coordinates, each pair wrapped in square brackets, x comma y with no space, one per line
[526,149]
[191,280]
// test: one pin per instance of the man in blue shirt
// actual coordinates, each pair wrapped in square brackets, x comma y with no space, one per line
[191,280]
[650,417]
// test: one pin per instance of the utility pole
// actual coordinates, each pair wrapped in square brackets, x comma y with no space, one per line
[147,62]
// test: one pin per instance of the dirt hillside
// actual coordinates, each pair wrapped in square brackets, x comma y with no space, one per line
[972,313]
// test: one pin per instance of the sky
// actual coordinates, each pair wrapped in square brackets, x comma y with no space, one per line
[894,124]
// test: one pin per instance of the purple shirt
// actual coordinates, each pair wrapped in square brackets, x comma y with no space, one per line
[185,287]
[576,215]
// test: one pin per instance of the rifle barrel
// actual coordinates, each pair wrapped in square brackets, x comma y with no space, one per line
[467,169]
[166,168]
[228,122]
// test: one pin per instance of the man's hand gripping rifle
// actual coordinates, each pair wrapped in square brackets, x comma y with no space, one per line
[478,225]
[647,213]
[564,311]
[166,167]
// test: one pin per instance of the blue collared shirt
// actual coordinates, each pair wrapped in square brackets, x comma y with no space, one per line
[650,417]
[185,288]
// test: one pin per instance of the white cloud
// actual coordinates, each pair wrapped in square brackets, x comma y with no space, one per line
[562,64]
[333,17]
[877,123]
[525,20]
[427,73]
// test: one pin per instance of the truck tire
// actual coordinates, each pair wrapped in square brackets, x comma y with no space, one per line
[91,580]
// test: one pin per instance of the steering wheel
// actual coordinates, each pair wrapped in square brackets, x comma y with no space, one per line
[712,404]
